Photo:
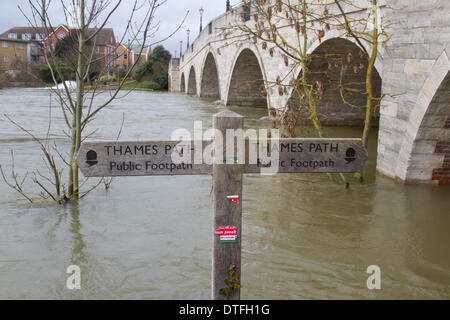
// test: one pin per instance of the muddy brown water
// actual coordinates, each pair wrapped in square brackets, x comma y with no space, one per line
[151,237]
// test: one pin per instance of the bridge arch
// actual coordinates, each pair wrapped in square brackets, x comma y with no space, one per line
[210,83]
[247,77]
[183,83]
[426,144]
[328,57]
[192,82]
[314,43]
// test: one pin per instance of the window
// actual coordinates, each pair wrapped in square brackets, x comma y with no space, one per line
[5,59]
[21,46]
[247,11]
[210,28]
[26,36]
[12,35]
[4,44]
[61,35]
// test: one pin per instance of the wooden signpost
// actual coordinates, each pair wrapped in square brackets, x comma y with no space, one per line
[295,155]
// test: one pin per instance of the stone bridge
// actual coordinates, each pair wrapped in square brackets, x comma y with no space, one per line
[413,74]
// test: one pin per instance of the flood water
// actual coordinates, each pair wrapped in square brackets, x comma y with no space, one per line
[150,237]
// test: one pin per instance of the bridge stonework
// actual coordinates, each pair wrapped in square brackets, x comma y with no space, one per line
[174,75]
[412,75]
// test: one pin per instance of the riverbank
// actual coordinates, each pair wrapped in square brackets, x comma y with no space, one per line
[8,84]
[131,85]
[144,85]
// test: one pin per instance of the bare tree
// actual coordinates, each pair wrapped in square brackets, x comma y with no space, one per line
[86,21]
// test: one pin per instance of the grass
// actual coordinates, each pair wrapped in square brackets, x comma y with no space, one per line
[145,85]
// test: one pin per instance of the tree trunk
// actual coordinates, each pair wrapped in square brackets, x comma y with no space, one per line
[369,88]
[78,112]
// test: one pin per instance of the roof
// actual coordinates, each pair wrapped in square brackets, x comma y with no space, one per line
[121,45]
[22,30]
[102,38]
[14,40]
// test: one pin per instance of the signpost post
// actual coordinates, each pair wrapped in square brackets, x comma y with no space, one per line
[227,182]
[294,155]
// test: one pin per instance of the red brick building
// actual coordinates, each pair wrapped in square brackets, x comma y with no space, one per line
[104,43]
[38,40]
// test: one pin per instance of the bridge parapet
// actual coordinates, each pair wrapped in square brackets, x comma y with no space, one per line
[413,65]
[210,34]
[174,75]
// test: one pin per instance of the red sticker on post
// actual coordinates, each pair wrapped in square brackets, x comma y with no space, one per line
[227,234]
[234,198]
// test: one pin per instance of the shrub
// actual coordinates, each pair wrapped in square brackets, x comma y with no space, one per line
[162,79]
[155,68]
[143,70]
[107,79]
[43,71]
[4,80]
[120,74]
[149,85]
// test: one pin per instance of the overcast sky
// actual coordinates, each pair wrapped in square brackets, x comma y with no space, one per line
[169,15]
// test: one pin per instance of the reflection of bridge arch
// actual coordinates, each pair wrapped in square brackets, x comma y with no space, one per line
[328,59]
[246,80]
[192,82]
[183,83]
[210,86]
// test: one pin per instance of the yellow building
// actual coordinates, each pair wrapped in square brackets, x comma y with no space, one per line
[126,57]
[14,53]
[141,59]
